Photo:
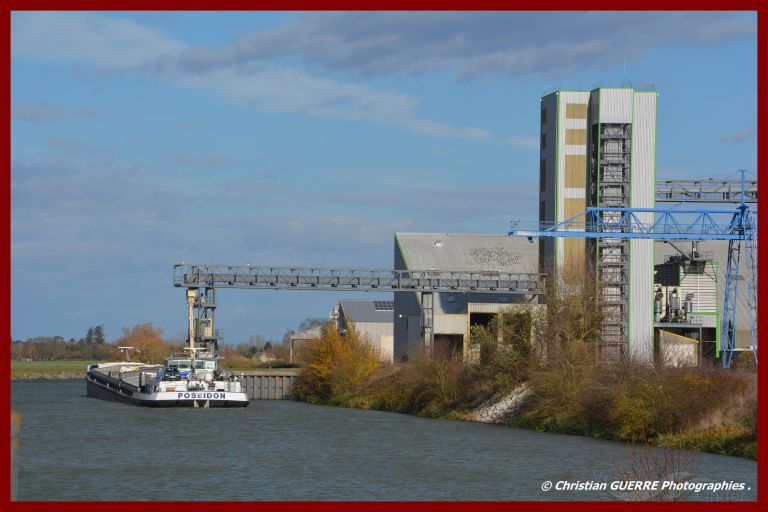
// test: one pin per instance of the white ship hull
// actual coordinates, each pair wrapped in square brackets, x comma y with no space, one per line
[130,385]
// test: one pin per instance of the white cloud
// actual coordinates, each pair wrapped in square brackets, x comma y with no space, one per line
[46,113]
[105,43]
[521,44]
[524,142]
[741,135]
[86,38]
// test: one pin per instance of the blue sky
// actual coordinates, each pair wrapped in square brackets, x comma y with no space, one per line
[142,139]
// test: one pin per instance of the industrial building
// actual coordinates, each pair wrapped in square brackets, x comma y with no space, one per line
[689,290]
[597,155]
[598,149]
[299,338]
[373,320]
[454,313]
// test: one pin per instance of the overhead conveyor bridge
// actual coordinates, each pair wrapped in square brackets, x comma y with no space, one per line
[201,282]
[370,280]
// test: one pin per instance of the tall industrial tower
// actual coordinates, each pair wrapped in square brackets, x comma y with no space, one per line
[598,149]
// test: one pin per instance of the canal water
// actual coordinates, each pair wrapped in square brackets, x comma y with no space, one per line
[79,448]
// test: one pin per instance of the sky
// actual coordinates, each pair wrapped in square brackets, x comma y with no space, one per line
[142,139]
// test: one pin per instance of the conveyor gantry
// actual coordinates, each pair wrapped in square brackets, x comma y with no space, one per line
[705,191]
[371,280]
[209,277]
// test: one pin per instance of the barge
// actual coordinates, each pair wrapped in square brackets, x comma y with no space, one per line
[181,382]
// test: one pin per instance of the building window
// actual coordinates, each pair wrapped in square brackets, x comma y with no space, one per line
[575,110]
[543,116]
[543,175]
[543,141]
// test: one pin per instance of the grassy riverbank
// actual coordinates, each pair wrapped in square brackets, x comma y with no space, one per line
[59,369]
[569,392]
[75,368]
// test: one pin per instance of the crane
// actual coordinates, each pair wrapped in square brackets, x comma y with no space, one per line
[683,224]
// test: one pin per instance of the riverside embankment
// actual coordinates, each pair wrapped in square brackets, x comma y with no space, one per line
[567,392]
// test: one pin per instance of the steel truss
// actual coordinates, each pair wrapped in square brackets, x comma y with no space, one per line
[610,223]
[705,191]
[426,282]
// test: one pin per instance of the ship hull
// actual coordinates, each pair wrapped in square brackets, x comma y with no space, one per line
[106,388]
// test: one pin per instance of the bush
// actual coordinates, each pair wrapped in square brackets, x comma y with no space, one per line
[336,365]
[555,402]
[502,352]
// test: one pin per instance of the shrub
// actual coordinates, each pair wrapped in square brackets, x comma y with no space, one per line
[503,352]
[336,365]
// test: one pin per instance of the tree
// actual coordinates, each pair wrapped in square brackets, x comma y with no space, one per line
[257,341]
[89,338]
[98,334]
[148,342]
[268,346]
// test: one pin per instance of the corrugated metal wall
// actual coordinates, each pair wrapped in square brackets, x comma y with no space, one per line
[615,105]
[643,105]
[703,286]
[451,324]
[269,384]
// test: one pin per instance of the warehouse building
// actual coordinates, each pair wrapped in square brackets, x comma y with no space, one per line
[598,149]
[373,320]
[454,313]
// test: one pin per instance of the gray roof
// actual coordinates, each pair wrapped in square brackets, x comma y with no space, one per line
[365,311]
[454,251]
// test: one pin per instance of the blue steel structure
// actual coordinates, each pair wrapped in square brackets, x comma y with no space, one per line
[681,224]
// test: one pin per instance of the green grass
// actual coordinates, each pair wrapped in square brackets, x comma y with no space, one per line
[733,440]
[62,369]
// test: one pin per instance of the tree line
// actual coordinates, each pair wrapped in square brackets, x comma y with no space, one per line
[149,346]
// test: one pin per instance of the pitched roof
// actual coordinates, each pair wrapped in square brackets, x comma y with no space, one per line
[454,251]
[366,310]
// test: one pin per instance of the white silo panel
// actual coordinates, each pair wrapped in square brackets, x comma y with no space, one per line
[615,105]
[642,195]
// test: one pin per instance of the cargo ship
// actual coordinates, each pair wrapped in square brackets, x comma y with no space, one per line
[181,382]
[191,380]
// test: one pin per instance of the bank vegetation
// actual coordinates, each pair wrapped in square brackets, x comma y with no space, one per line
[569,389]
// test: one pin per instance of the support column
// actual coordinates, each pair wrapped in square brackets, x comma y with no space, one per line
[428,320]
[191,296]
